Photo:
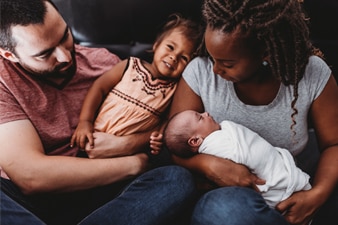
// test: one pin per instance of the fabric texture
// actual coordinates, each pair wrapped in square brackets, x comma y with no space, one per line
[273,164]
[26,97]
[136,103]
[272,121]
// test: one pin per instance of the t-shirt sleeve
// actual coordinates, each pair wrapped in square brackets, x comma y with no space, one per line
[317,74]
[193,74]
[9,108]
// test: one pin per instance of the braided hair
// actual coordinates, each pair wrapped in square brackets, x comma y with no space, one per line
[281,25]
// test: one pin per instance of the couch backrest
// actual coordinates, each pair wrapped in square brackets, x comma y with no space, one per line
[125,27]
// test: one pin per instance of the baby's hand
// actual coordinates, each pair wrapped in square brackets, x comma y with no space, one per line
[156,142]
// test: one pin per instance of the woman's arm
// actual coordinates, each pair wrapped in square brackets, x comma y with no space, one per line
[302,206]
[324,114]
[109,145]
[221,171]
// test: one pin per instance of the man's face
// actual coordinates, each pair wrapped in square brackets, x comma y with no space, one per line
[46,50]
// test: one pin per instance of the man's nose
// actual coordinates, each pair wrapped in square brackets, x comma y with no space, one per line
[62,54]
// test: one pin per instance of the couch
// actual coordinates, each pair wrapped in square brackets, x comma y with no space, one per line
[129,27]
[125,27]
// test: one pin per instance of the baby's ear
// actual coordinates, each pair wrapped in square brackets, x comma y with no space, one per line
[195,142]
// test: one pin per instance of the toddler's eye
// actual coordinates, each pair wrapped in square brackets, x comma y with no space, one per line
[185,58]
[170,47]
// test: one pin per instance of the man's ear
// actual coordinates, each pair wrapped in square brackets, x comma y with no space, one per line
[195,142]
[8,55]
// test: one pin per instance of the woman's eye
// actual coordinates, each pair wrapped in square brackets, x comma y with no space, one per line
[212,60]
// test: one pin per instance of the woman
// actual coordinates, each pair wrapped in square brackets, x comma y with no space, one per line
[262,72]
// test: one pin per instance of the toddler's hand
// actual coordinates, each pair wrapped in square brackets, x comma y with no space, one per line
[156,142]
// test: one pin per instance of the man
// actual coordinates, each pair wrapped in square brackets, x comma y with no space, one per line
[43,80]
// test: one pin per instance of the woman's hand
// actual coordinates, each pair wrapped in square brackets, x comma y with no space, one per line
[156,142]
[300,207]
[222,172]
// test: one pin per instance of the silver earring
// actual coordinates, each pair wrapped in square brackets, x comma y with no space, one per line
[265,63]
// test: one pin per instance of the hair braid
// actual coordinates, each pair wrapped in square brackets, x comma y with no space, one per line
[280,24]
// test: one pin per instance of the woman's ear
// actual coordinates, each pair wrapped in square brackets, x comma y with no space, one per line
[195,142]
[8,55]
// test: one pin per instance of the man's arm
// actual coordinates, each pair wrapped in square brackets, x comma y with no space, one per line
[109,145]
[24,161]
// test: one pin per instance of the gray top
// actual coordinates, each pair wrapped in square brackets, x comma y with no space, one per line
[272,121]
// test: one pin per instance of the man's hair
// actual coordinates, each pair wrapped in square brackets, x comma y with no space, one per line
[175,139]
[19,12]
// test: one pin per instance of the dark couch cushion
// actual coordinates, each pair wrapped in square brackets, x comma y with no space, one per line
[125,27]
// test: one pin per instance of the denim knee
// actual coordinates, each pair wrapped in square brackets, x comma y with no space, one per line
[234,206]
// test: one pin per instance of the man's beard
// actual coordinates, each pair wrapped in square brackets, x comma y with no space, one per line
[56,72]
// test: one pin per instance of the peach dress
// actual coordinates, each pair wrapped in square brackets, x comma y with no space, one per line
[136,103]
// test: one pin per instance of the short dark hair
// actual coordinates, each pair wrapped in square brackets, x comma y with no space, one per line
[176,139]
[19,12]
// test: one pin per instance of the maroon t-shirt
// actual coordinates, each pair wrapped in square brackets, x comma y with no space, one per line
[53,111]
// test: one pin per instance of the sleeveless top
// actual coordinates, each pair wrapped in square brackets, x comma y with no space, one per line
[136,103]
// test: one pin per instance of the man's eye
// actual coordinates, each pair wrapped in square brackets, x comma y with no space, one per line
[45,56]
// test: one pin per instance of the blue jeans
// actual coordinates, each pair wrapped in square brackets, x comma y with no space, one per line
[155,197]
[14,214]
[234,206]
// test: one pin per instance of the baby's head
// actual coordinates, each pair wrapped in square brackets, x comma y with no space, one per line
[186,131]
[176,45]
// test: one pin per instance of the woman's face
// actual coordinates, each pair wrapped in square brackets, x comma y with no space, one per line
[233,56]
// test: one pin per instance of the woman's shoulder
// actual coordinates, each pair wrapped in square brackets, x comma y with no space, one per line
[317,69]
[198,66]
[199,61]
[317,74]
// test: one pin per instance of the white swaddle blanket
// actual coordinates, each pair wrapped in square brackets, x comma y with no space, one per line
[275,165]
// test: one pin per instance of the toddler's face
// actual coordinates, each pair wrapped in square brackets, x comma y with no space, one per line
[172,54]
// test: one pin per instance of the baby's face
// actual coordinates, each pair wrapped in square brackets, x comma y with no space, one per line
[201,123]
